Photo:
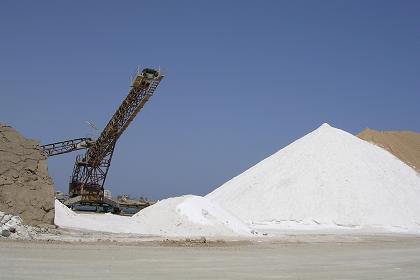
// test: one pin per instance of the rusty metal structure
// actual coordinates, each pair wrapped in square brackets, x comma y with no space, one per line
[91,169]
[67,146]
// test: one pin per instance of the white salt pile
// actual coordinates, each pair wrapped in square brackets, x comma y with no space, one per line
[186,216]
[189,216]
[327,179]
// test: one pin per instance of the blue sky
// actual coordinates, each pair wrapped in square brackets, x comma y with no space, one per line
[243,79]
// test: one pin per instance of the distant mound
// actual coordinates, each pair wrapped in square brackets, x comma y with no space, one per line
[326,179]
[184,216]
[26,190]
[405,145]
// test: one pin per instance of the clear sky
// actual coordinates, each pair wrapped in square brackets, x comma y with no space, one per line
[243,79]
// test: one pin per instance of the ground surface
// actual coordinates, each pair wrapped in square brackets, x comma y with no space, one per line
[365,258]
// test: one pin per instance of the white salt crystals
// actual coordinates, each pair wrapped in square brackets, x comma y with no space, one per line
[327,180]
[185,216]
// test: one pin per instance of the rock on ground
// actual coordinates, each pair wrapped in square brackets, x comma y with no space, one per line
[26,189]
[12,227]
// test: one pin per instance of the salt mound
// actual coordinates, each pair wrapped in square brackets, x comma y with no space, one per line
[328,178]
[66,218]
[189,216]
[186,216]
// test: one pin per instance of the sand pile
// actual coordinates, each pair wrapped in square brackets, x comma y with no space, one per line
[405,145]
[186,216]
[26,189]
[327,179]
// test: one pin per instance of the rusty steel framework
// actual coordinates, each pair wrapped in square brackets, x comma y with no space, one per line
[91,169]
[67,146]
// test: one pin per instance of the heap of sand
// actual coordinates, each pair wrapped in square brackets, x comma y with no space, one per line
[405,145]
[26,189]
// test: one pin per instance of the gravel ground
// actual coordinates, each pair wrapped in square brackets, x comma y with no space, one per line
[331,258]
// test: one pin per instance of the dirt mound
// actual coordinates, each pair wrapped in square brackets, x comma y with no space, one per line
[26,189]
[405,145]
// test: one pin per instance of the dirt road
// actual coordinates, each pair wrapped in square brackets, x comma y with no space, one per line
[372,259]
